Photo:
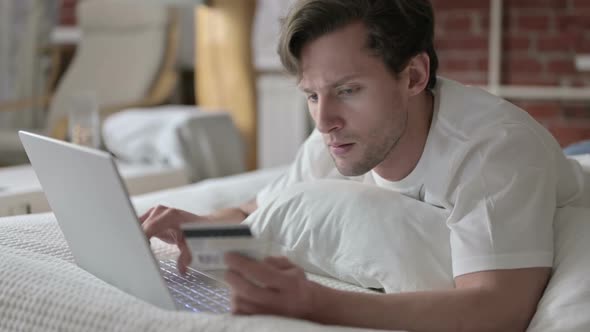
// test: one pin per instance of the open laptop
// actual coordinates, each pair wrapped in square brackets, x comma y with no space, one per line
[92,207]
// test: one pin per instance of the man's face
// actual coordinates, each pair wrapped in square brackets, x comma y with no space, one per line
[355,101]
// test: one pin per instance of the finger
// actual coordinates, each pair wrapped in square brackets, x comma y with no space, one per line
[167,237]
[281,263]
[185,257]
[244,288]
[150,219]
[241,306]
[154,212]
[258,271]
[144,216]
[159,223]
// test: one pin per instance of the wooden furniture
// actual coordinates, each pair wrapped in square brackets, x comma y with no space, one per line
[224,71]
[129,61]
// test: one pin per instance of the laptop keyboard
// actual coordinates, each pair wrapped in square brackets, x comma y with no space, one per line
[196,291]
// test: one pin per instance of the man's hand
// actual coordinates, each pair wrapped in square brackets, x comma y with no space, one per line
[164,223]
[273,286]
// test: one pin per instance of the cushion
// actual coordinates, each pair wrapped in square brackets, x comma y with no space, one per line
[566,302]
[121,14]
[358,233]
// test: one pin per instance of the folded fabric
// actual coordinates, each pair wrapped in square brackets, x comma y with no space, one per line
[207,144]
[137,135]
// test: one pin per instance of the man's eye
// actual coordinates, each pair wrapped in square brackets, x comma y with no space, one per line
[312,98]
[347,92]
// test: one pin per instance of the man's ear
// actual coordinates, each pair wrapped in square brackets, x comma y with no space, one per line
[419,73]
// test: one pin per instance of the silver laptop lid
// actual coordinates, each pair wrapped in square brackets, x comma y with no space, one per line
[92,207]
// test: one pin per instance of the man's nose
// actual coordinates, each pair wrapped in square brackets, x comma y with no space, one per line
[327,116]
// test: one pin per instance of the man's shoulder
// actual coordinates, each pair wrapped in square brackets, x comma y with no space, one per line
[467,111]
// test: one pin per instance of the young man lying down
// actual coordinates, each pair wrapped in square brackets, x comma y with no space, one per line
[368,69]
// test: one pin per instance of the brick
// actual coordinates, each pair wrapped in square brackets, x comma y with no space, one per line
[67,12]
[512,78]
[579,81]
[68,20]
[461,23]
[520,65]
[577,112]
[543,111]
[580,4]
[456,64]
[559,43]
[513,43]
[484,22]
[570,132]
[68,3]
[460,4]
[462,43]
[567,21]
[583,46]
[461,54]
[533,22]
[482,64]
[536,4]
[561,66]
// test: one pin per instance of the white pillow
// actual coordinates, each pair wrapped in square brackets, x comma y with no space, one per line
[565,305]
[361,234]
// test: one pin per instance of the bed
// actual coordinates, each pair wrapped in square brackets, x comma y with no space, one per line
[42,289]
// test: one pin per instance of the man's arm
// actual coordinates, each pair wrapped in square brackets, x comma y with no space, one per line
[503,300]
[500,300]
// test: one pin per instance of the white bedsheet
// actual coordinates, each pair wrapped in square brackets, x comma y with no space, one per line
[41,289]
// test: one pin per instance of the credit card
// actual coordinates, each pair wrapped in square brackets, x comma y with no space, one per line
[209,242]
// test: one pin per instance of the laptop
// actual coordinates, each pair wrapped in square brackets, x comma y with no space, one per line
[93,210]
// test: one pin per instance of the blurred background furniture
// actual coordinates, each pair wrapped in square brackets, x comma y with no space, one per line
[21,192]
[224,75]
[126,56]
[24,32]
[206,143]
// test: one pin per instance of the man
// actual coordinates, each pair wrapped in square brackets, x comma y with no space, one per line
[368,69]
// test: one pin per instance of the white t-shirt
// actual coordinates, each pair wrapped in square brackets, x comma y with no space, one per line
[499,172]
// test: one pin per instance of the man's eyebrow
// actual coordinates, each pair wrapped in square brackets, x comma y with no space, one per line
[336,83]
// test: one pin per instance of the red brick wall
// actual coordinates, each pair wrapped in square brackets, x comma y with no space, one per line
[540,40]
[67,13]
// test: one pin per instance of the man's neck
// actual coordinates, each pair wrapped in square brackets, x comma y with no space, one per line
[404,157]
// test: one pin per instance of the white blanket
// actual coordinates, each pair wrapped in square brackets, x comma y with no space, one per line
[41,289]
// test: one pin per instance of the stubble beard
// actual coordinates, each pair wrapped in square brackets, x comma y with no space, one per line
[374,153]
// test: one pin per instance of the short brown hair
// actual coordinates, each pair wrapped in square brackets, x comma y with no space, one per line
[397,29]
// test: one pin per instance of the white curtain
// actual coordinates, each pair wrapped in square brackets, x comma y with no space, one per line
[25,27]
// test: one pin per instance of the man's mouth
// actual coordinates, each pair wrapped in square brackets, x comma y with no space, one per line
[340,149]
